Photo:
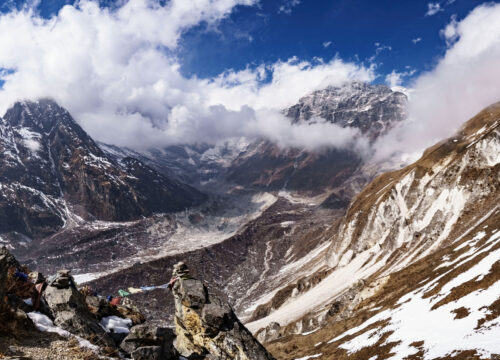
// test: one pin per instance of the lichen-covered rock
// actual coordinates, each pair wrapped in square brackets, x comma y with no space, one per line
[207,327]
[12,319]
[7,261]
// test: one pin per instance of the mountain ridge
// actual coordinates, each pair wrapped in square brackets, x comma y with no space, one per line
[47,154]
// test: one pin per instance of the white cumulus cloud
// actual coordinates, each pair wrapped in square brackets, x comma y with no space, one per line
[116,71]
[465,80]
[433,9]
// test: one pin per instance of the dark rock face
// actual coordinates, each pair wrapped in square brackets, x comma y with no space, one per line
[148,353]
[150,342]
[272,168]
[70,312]
[207,327]
[371,108]
[4,268]
[50,170]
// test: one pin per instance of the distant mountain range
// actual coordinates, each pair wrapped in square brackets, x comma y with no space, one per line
[262,165]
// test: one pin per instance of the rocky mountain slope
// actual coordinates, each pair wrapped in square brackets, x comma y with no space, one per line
[52,173]
[246,242]
[264,166]
[416,245]
[373,109]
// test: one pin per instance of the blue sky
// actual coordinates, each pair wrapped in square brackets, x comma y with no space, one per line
[254,35]
[281,29]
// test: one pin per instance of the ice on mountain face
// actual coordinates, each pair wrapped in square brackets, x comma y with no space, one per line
[422,211]
[31,140]
[490,150]
[333,285]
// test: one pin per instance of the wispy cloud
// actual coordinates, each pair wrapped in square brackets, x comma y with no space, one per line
[327,44]
[450,32]
[287,6]
[378,49]
[465,80]
[416,40]
[433,9]
[396,78]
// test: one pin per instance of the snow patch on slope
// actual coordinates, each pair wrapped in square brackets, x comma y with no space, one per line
[447,334]
[44,324]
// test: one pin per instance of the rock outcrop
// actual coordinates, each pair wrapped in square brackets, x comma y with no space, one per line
[70,312]
[207,327]
[150,342]
[4,268]
[11,319]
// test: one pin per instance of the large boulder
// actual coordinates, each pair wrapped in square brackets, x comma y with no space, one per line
[150,342]
[148,353]
[70,312]
[12,319]
[270,333]
[207,327]
[7,261]
[4,270]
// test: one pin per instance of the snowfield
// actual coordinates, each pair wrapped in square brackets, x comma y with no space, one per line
[419,318]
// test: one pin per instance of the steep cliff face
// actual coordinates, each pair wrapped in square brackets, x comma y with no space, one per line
[430,203]
[373,109]
[52,172]
[443,306]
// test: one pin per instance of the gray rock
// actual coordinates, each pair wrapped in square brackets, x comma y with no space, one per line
[70,312]
[208,328]
[4,268]
[270,333]
[7,260]
[148,353]
[193,293]
[141,336]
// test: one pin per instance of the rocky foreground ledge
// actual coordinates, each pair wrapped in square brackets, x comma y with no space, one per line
[53,319]
[207,327]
